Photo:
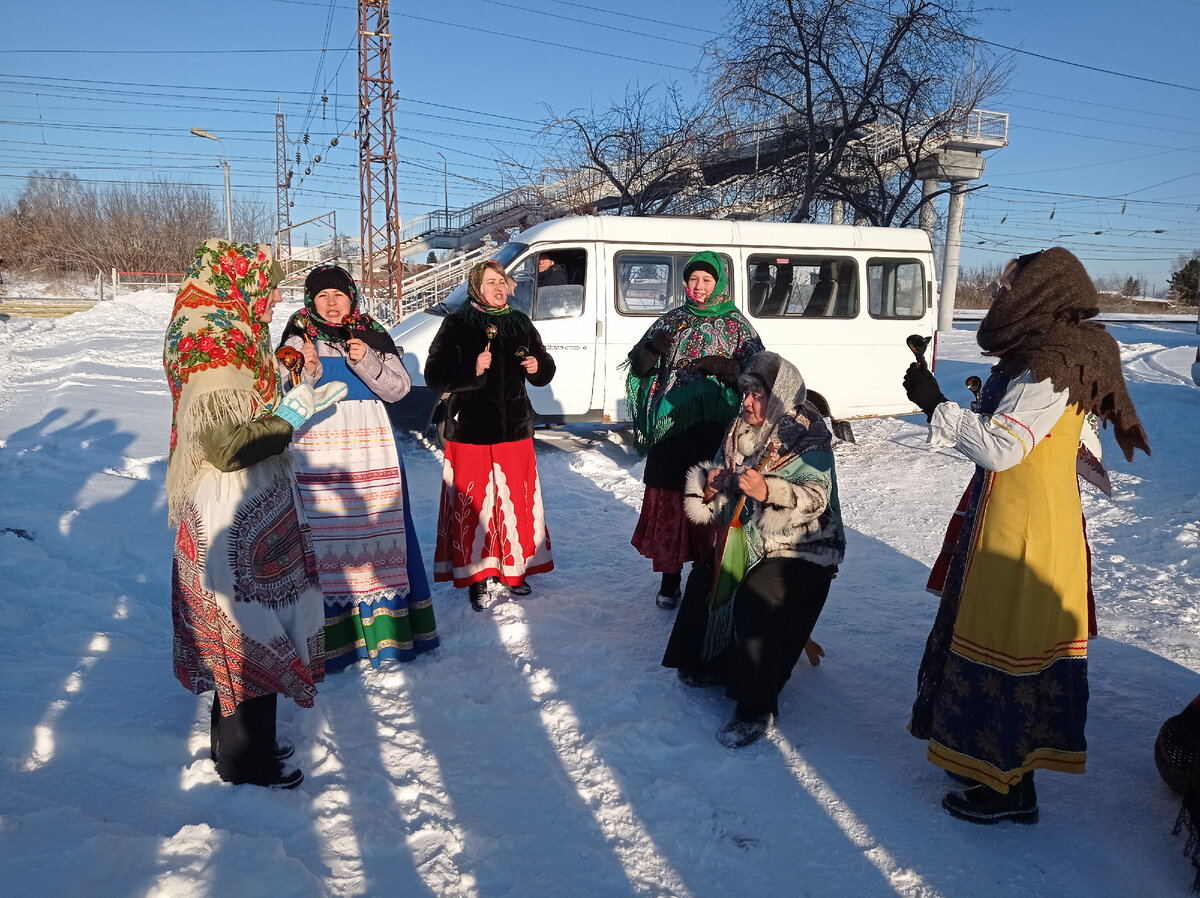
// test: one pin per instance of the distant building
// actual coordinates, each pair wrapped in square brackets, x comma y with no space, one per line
[1151,304]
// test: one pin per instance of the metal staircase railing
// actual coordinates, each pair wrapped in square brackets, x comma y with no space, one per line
[886,141]
[532,203]
[535,202]
[431,286]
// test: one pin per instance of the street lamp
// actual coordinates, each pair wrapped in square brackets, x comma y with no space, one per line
[200,132]
[445,187]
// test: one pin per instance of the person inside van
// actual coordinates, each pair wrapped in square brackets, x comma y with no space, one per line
[682,390]
[550,273]
[751,605]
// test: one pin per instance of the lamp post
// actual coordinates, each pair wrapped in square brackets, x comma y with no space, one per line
[200,132]
[445,187]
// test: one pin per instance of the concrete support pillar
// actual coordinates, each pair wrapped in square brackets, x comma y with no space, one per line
[837,212]
[929,210]
[954,224]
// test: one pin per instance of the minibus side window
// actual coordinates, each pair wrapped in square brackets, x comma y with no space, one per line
[785,286]
[645,284]
[895,288]
[550,285]
[651,284]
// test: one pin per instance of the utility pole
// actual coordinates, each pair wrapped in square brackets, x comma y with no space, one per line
[377,162]
[283,179]
[445,190]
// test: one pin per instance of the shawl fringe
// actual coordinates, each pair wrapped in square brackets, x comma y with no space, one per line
[704,399]
[719,632]
[197,415]
[1188,819]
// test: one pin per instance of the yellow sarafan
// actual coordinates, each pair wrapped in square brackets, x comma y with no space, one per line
[1024,598]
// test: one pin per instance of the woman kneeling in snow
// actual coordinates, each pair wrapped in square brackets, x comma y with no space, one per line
[747,614]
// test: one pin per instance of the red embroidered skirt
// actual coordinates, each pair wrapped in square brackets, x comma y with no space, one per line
[491,522]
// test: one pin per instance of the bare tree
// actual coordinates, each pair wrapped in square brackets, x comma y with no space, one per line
[848,95]
[646,150]
[975,285]
[253,222]
[62,224]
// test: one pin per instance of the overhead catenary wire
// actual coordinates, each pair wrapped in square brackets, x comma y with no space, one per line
[297,102]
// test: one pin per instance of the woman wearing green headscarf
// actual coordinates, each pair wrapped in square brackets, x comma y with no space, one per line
[682,391]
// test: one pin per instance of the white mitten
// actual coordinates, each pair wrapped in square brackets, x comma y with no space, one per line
[327,394]
[298,405]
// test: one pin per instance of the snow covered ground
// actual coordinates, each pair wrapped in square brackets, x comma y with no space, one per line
[542,750]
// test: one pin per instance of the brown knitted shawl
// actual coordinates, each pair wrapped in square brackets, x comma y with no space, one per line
[1041,326]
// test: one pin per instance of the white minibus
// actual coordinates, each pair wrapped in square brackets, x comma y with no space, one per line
[839,302]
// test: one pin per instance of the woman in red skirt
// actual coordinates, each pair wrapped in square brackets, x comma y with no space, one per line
[491,523]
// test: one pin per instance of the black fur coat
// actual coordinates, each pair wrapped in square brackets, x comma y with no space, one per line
[493,407]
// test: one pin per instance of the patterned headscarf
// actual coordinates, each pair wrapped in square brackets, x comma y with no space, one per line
[788,418]
[506,323]
[1040,325]
[217,353]
[475,281]
[309,324]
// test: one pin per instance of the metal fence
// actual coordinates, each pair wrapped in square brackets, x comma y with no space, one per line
[132,281]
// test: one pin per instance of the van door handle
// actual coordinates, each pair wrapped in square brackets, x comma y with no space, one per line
[599,329]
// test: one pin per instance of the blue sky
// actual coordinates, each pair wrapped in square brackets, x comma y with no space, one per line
[112,96]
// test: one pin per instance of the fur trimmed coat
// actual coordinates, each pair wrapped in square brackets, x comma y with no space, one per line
[792,449]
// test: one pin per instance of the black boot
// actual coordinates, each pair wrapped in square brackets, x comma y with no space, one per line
[746,726]
[983,804]
[478,591]
[668,593]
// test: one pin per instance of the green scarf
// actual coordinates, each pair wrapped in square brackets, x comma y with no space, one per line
[682,407]
[722,307]
[718,303]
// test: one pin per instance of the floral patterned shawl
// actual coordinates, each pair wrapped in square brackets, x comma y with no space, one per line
[678,394]
[217,354]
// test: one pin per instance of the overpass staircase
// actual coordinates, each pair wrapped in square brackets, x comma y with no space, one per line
[729,187]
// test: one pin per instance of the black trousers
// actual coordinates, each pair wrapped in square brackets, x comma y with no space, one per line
[243,743]
[776,607]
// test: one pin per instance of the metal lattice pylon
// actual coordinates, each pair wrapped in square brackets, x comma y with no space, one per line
[283,215]
[379,281]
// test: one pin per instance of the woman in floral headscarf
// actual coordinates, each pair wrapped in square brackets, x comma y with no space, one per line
[245,600]
[491,524]
[352,483]
[682,391]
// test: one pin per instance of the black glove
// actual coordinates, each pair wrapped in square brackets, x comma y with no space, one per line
[661,344]
[720,367]
[922,389]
